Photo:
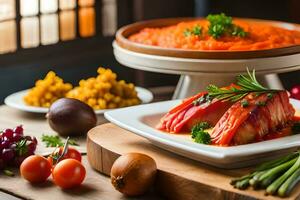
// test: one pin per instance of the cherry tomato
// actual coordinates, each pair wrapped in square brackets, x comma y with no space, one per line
[295,92]
[50,160]
[71,153]
[35,169]
[68,173]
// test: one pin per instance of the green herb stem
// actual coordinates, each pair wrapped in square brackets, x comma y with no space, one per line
[21,147]
[278,177]
[271,189]
[286,188]
[246,84]
[277,169]
[274,163]
[234,181]
[254,182]
[8,172]
[267,181]
[243,184]
[56,141]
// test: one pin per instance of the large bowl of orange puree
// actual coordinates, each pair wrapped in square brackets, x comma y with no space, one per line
[166,37]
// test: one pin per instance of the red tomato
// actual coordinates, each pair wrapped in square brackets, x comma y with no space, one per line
[71,153]
[35,169]
[50,160]
[68,173]
[295,92]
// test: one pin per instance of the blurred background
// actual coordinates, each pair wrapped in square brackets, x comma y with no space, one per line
[74,37]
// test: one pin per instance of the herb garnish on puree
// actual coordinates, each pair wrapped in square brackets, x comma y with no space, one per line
[218,32]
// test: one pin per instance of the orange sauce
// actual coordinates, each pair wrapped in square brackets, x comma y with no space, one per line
[261,36]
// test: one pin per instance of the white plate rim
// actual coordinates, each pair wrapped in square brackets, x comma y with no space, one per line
[144,94]
[134,124]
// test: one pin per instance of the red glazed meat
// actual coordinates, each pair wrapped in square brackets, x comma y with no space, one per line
[262,115]
[184,116]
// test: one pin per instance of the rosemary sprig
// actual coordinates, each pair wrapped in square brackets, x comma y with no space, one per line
[246,84]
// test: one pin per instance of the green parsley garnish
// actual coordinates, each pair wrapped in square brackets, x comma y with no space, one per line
[21,147]
[199,134]
[221,25]
[296,128]
[187,32]
[246,84]
[261,103]
[72,142]
[8,172]
[202,137]
[244,103]
[201,126]
[196,30]
[56,141]
[238,31]
[203,99]
[269,95]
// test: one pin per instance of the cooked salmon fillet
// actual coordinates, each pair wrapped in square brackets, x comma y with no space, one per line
[251,120]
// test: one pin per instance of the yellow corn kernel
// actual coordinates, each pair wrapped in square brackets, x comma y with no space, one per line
[102,103]
[112,105]
[92,101]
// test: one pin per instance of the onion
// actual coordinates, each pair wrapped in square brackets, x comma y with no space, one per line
[132,174]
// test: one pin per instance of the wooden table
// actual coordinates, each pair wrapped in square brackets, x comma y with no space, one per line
[96,186]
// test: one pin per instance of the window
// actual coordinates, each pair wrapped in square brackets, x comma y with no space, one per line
[8,27]
[67,4]
[48,6]
[30,34]
[86,3]
[7,9]
[49,29]
[109,17]
[67,21]
[86,22]
[8,36]
[29,7]
[48,22]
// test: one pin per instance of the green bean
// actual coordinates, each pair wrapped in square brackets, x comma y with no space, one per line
[274,163]
[242,184]
[278,169]
[271,189]
[286,188]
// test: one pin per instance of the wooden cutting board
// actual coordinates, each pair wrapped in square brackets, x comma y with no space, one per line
[178,178]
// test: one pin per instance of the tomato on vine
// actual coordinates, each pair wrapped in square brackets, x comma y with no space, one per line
[68,173]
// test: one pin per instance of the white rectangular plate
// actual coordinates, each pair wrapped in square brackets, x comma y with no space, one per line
[143,119]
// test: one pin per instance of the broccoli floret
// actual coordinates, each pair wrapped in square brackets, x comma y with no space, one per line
[202,137]
[199,134]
